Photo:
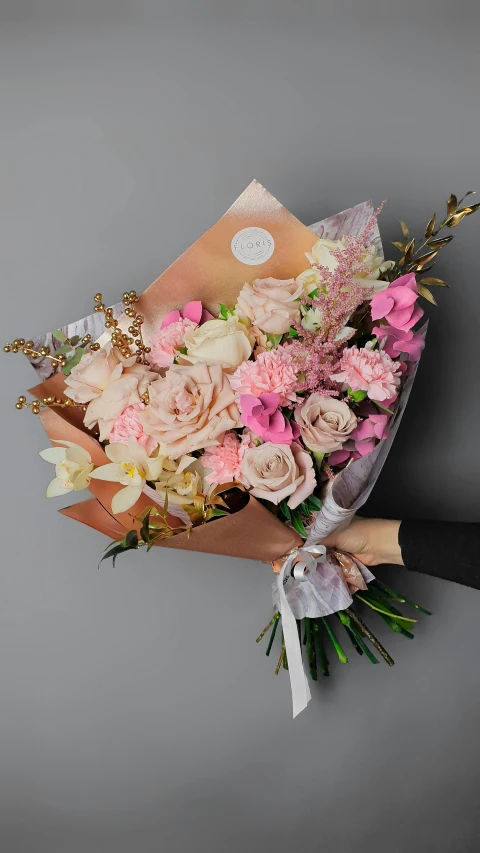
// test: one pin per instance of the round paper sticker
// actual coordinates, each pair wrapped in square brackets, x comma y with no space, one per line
[253,246]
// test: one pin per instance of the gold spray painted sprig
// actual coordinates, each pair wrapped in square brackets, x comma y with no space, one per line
[412,259]
[64,358]
[120,339]
[51,402]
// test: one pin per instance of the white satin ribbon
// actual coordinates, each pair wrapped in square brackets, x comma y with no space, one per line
[298,564]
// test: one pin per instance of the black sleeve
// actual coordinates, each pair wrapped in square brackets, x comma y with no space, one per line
[448,550]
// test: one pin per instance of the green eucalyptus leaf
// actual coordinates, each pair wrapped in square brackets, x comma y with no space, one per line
[59,336]
[298,524]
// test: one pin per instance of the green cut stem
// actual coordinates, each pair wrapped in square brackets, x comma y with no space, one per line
[401,598]
[321,654]
[272,635]
[312,663]
[382,609]
[348,628]
[336,645]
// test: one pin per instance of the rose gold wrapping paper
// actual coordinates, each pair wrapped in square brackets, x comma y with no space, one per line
[207,271]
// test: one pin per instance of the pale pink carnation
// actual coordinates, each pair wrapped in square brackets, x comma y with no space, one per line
[128,425]
[167,341]
[271,373]
[225,459]
[369,370]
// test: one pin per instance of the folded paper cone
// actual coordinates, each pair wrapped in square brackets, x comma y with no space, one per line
[256,238]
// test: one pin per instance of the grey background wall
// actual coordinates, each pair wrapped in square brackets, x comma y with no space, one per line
[137,713]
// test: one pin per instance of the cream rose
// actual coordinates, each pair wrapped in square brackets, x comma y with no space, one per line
[190,408]
[224,342]
[322,254]
[271,303]
[108,382]
[276,472]
[325,423]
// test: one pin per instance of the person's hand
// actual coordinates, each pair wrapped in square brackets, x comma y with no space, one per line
[373,541]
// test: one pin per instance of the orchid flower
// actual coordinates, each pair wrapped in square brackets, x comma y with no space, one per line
[73,468]
[131,467]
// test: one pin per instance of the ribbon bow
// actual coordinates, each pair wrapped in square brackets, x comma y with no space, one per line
[297,564]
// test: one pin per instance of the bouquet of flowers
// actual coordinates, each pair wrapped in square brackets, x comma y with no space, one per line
[249,412]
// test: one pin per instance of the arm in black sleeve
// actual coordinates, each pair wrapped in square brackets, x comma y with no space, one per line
[448,550]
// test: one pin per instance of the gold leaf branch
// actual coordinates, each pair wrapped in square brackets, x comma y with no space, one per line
[412,260]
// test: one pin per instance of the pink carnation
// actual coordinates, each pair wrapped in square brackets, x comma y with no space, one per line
[271,373]
[128,425]
[167,341]
[367,370]
[225,459]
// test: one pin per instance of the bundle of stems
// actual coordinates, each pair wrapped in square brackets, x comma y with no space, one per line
[317,634]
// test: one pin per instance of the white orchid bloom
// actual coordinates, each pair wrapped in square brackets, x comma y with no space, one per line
[73,468]
[131,467]
[311,319]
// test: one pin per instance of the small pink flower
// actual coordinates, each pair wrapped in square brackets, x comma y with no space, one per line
[372,371]
[128,425]
[398,341]
[338,457]
[272,372]
[193,311]
[397,303]
[371,430]
[225,459]
[168,340]
[263,417]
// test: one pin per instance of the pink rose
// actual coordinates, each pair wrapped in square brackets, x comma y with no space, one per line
[398,341]
[108,382]
[128,425]
[369,370]
[167,342]
[190,409]
[263,417]
[325,423]
[271,303]
[276,472]
[397,303]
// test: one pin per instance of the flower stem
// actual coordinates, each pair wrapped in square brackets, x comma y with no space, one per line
[336,645]
[321,654]
[272,635]
[274,618]
[368,634]
[312,663]
[277,668]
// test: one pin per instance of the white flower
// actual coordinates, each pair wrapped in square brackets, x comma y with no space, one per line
[310,279]
[182,479]
[131,467]
[321,254]
[73,467]
[311,319]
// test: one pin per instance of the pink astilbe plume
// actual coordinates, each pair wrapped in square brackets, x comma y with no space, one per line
[317,353]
